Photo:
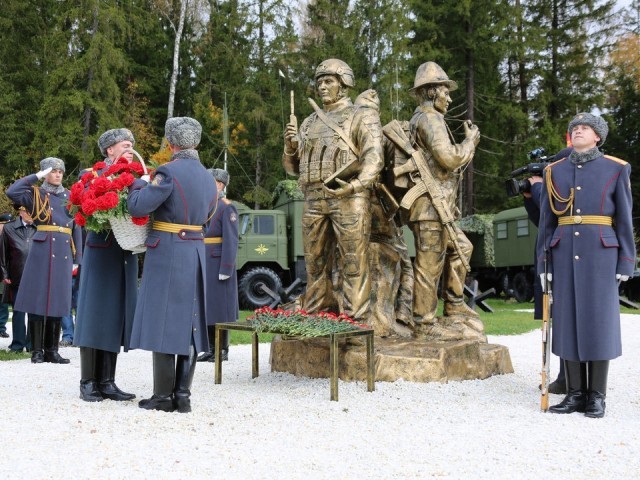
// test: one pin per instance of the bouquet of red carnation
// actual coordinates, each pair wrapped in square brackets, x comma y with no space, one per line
[99,199]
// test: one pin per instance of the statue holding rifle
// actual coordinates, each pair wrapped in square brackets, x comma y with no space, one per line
[432,173]
[337,155]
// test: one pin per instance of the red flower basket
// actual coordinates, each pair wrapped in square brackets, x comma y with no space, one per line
[98,202]
[131,233]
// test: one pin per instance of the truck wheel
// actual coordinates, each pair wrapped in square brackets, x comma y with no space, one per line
[249,292]
[522,287]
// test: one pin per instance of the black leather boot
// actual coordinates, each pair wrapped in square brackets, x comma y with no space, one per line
[576,398]
[88,385]
[51,339]
[185,368]
[106,378]
[598,373]
[209,356]
[164,377]
[36,333]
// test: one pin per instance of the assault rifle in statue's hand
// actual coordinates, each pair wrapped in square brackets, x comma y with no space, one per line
[416,167]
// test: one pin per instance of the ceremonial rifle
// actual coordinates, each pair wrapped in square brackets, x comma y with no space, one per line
[424,183]
[547,300]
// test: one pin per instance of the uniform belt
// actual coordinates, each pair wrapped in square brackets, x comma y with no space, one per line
[53,228]
[175,227]
[212,240]
[585,220]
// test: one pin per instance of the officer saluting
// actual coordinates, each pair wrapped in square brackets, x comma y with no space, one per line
[170,315]
[586,226]
[46,280]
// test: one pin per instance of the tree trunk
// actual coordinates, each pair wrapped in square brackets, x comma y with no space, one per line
[176,58]
[86,115]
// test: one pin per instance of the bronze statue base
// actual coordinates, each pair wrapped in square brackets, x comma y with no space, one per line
[413,360]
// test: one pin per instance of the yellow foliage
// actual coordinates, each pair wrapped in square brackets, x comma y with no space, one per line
[625,58]
[162,156]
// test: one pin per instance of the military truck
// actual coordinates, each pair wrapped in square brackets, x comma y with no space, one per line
[503,252]
[270,250]
[271,253]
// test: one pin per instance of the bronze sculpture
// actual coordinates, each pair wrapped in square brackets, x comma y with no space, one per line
[440,252]
[337,154]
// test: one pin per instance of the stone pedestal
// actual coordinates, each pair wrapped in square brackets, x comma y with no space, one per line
[413,360]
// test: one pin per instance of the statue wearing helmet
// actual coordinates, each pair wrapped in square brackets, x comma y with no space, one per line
[436,253]
[337,136]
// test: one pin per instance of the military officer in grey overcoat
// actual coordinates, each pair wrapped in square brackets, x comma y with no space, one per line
[586,232]
[45,287]
[221,246]
[107,295]
[170,314]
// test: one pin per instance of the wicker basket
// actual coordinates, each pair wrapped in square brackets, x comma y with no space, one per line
[129,235]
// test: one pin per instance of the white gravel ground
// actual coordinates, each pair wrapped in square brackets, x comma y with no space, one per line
[283,427]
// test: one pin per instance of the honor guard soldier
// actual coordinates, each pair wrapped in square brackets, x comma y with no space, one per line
[107,295]
[337,136]
[221,247]
[586,233]
[170,317]
[45,287]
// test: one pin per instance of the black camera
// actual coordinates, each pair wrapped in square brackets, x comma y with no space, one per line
[538,161]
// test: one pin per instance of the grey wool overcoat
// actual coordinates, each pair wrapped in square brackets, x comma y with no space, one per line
[107,294]
[45,287]
[585,258]
[222,295]
[170,311]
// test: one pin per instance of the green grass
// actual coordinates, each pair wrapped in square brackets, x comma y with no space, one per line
[5,356]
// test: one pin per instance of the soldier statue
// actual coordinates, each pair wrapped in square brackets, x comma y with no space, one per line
[337,154]
[439,251]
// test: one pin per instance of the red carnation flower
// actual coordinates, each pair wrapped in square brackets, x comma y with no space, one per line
[137,168]
[86,177]
[140,220]
[122,160]
[101,185]
[127,179]
[111,199]
[99,166]
[80,219]
[76,193]
[89,206]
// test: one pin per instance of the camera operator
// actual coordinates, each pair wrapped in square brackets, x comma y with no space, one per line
[532,197]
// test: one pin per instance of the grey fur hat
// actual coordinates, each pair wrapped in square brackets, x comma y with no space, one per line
[596,122]
[183,132]
[53,162]
[113,136]
[220,175]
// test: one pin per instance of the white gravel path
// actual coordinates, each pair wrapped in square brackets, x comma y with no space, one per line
[283,427]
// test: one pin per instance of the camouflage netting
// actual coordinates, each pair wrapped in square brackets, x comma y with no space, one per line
[290,187]
[483,226]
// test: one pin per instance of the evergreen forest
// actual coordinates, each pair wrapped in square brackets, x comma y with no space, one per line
[72,69]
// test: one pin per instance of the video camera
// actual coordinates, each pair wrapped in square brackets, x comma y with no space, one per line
[538,161]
